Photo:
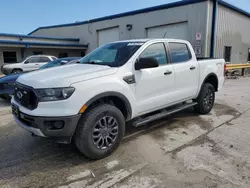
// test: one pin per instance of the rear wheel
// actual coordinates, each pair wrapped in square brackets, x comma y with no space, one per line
[15,71]
[205,99]
[100,131]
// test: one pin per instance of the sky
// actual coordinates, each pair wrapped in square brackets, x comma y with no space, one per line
[23,16]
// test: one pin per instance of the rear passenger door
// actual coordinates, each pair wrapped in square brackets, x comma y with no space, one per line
[186,70]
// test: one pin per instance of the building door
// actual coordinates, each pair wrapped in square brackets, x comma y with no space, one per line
[248,59]
[108,35]
[227,53]
[176,31]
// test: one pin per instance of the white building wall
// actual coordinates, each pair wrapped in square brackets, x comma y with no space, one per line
[233,29]
[193,14]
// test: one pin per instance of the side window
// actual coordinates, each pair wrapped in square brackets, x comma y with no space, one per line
[32,60]
[156,51]
[43,59]
[179,52]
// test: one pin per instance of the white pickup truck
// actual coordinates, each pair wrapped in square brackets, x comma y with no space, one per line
[90,102]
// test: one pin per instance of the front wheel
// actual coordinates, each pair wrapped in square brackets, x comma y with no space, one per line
[100,131]
[205,99]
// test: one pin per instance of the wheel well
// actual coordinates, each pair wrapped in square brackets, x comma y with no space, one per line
[212,79]
[116,101]
[16,69]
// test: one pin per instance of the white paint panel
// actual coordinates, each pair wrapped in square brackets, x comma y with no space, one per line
[176,31]
[108,35]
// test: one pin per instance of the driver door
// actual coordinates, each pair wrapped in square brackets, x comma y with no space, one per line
[154,86]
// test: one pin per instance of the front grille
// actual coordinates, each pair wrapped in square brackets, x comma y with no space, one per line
[9,85]
[1,86]
[25,96]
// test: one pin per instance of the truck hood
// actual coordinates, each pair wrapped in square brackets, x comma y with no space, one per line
[64,76]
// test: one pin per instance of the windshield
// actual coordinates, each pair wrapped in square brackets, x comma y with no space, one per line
[113,54]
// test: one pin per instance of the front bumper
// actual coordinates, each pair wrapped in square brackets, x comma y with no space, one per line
[45,126]
[6,71]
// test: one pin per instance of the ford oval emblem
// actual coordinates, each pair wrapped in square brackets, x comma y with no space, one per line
[19,95]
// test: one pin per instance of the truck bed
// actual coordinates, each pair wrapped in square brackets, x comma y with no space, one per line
[211,65]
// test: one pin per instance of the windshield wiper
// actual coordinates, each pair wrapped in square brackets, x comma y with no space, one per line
[95,63]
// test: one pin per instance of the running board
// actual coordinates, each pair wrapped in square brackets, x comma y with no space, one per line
[165,112]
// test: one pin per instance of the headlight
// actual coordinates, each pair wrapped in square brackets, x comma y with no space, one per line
[54,94]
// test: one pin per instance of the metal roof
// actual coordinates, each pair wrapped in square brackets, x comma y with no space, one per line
[130,13]
[37,37]
[150,9]
[27,44]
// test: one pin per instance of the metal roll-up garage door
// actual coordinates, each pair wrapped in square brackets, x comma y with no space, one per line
[175,31]
[108,35]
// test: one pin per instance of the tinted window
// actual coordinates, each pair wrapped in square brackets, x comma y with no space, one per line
[9,57]
[179,52]
[53,58]
[113,54]
[156,51]
[44,59]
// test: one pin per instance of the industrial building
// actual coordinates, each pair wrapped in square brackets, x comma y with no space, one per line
[214,28]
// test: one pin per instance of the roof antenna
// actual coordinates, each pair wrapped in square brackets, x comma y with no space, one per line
[165,34]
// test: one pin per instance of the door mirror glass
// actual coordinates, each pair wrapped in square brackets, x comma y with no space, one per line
[147,62]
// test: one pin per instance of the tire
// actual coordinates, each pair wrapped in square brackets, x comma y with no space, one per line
[15,71]
[205,99]
[84,136]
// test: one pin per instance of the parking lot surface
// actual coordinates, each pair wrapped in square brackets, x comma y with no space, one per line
[184,150]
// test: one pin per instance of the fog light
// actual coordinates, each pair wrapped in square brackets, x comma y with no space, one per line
[59,124]
[54,125]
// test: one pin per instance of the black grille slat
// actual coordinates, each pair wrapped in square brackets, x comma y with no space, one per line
[1,86]
[28,97]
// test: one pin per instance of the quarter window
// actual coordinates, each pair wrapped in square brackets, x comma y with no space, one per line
[156,51]
[179,52]
[44,59]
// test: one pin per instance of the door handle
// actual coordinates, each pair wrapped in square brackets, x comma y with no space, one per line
[192,68]
[167,72]
[37,64]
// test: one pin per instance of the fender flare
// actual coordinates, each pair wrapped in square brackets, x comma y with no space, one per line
[113,94]
[211,74]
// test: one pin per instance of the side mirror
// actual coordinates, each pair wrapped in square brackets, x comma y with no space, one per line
[144,63]
[26,62]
